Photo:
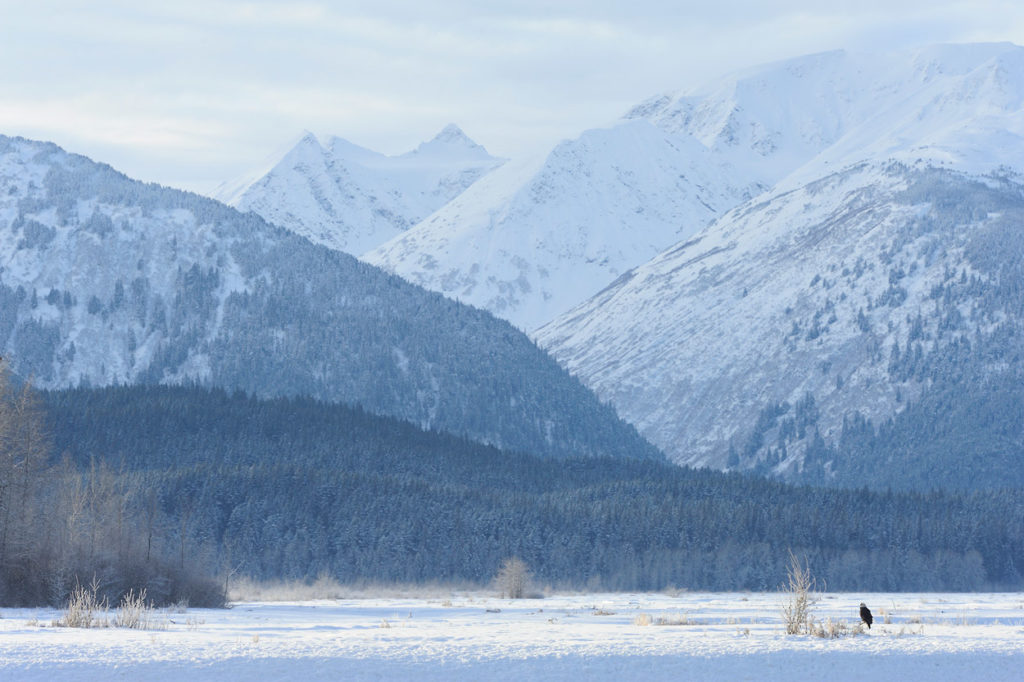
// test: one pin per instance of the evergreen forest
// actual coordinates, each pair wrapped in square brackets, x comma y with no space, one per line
[228,485]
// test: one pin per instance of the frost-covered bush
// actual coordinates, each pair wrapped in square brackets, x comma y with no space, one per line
[135,613]
[797,612]
[513,578]
[85,609]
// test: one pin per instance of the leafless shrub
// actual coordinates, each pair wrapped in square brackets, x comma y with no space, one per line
[797,612]
[136,614]
[85,609]
[643,619]
[834,629]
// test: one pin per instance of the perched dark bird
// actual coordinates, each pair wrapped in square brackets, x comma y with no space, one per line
[865,615]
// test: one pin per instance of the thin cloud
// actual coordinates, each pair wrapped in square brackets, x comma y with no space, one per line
[199,90]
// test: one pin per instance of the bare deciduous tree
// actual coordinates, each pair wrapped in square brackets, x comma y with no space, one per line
[513,578]
[24,448]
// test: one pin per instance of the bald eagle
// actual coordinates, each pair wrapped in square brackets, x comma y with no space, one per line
[865,615]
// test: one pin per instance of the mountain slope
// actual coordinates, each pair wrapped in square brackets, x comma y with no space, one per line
[351,199]
[791,334]
[107,280]
[750,345]
[535,238]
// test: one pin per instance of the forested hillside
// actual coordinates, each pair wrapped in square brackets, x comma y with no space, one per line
[106,280]
[296,488]
[866,329]
[955,375]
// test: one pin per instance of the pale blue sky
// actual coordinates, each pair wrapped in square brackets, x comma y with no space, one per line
[192,92]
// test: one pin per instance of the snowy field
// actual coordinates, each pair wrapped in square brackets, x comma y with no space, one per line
[473,636]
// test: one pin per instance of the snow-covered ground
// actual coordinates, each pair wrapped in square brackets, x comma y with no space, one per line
[477,636]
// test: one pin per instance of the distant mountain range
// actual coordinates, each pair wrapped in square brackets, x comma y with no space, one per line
[542,235]
[105,280]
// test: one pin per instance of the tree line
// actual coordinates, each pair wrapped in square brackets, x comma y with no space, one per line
[296,488]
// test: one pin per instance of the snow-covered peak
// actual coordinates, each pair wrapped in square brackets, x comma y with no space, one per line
[451,136]
[307,149]
[770,119]
[230,191]
[451,144]
[941,103]
[350,198]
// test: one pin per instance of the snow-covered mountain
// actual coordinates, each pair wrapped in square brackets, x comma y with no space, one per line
[849,297]
[106,280]
[352,199]
[802,320]
[882,268]
[536,237]
[539,237]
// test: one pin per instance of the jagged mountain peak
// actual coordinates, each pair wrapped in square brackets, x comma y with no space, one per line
[450,144]
[308,138]
[453,134]
[350,198]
